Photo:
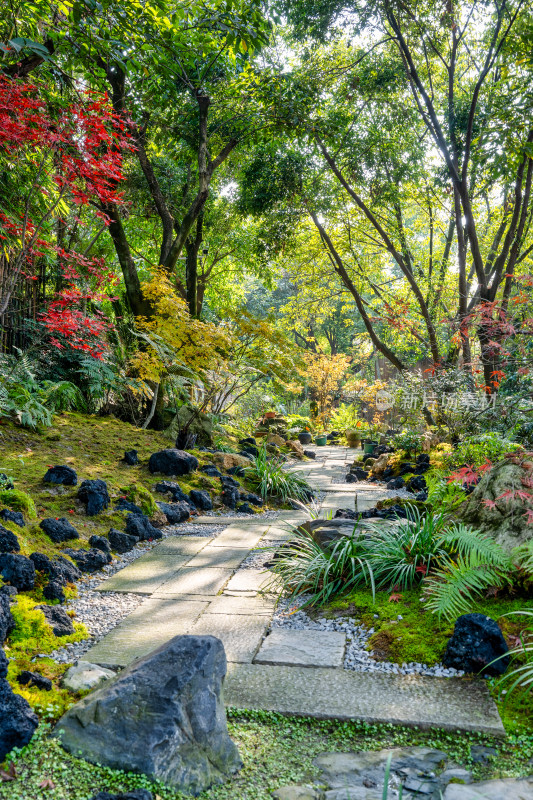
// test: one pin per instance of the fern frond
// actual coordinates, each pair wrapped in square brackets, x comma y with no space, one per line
[463,541]
[523,556]
[453,588]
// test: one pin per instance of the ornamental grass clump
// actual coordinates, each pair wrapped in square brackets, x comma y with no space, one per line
[268,477]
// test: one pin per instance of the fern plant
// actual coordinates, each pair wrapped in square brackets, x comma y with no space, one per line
[62,396]
[520,677]
[443,496]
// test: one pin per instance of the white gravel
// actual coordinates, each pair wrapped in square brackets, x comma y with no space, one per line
[356,658]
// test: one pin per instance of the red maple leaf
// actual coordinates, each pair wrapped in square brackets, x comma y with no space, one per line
[395,597]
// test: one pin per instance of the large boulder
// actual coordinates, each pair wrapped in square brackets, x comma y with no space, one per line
[58,619]
[172,462]
[8,541]
[7,622]
[59,530]
[163,716]
[61,475]
[94,495]
[501,503]
[17,720]
[13,516]
[18,571]
[476,642]
[230,460]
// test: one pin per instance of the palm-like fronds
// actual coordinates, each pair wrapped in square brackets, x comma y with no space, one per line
[523,556]
[465,541]
[62,396]
[454,586]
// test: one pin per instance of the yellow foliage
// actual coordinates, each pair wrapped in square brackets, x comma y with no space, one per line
[324,374]
[175,342]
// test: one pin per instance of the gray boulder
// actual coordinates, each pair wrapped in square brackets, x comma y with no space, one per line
[84,677]
[58,619]
[163,716]
[507,521]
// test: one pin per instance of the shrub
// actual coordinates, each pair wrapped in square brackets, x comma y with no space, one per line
[409,441]
[476,450]
[270,479]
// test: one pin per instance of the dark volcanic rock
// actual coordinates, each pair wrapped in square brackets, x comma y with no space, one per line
[172,462]
[178,495]
[131,458]
[345,513]
[4,664]
[201,500]
[476,641]
[60,569]
[18,571]
[396,483]
[250,497]
[88,560]
[58,619]
[140,526]
[17,720]
[310,453]
[351,478]
[34,679]
[126,505]
[7,622]
[163,717]
[95,496]
[59,530]
[360,473]
[175,512]
[230,496]
[121,542]
[211,470]
[101,543]
[8,541]
[248,440]
[249,450]
[12,516]
[416,484]
[239,471]
[63,474]
[54,591]
[228,481]
[245,508]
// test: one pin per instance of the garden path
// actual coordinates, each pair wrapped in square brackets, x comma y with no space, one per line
[199,585]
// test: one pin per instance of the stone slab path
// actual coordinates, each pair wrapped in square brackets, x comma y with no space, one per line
[197,585]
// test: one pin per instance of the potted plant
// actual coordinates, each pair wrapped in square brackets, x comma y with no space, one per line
[321,439]
[353,435]
[304,437]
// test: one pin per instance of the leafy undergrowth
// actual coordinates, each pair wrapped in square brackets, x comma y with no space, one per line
[406,631]
[276,751]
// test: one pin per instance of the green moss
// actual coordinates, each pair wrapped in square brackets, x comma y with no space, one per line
[141,496]
[17,500]
[32,634]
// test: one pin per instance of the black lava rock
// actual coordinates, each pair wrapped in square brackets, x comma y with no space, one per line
[59,530]
[249,450]
[229,482]
[7,622]
[211,470]
[239,471]
[250,497]
[135,794]
[423,458]
[64,570]
[88,560]
[42,563]
[63,474]
[95,496]
[310,453]
[396,483]
[8,541]
[345,513]
[126,505]
[406,469]
[351,477]
[34,679]
[131,458]
[54,591]
[172,462]
[175,512]
[101,543]
[178,495]
[18,571]
[201,500]
[245,508]
[4,664]
[422,496]
[140,526]
[58,619]
[12,516]
[416,484]
[476,641]
[17,720]
[248,440]
[121,542]
[230,496]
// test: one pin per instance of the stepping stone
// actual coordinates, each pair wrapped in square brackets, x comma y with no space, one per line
[240,536]
[190,580]
[224,557]
[302,648]
[152,624]
[413,700]
[242,604]
[145,574]
[181,545]
[240,635]
[506,789]
[250,580]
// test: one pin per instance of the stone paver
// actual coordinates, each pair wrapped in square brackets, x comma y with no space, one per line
[224,557]
[181,545]
[145,574]
[243,604]
[289,647]
[250,580]
[240,635]
[449,703]
[152,624]
[240,536]
[506,789]
[189,580]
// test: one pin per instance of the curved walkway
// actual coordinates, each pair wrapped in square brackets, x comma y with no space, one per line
[195,585]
